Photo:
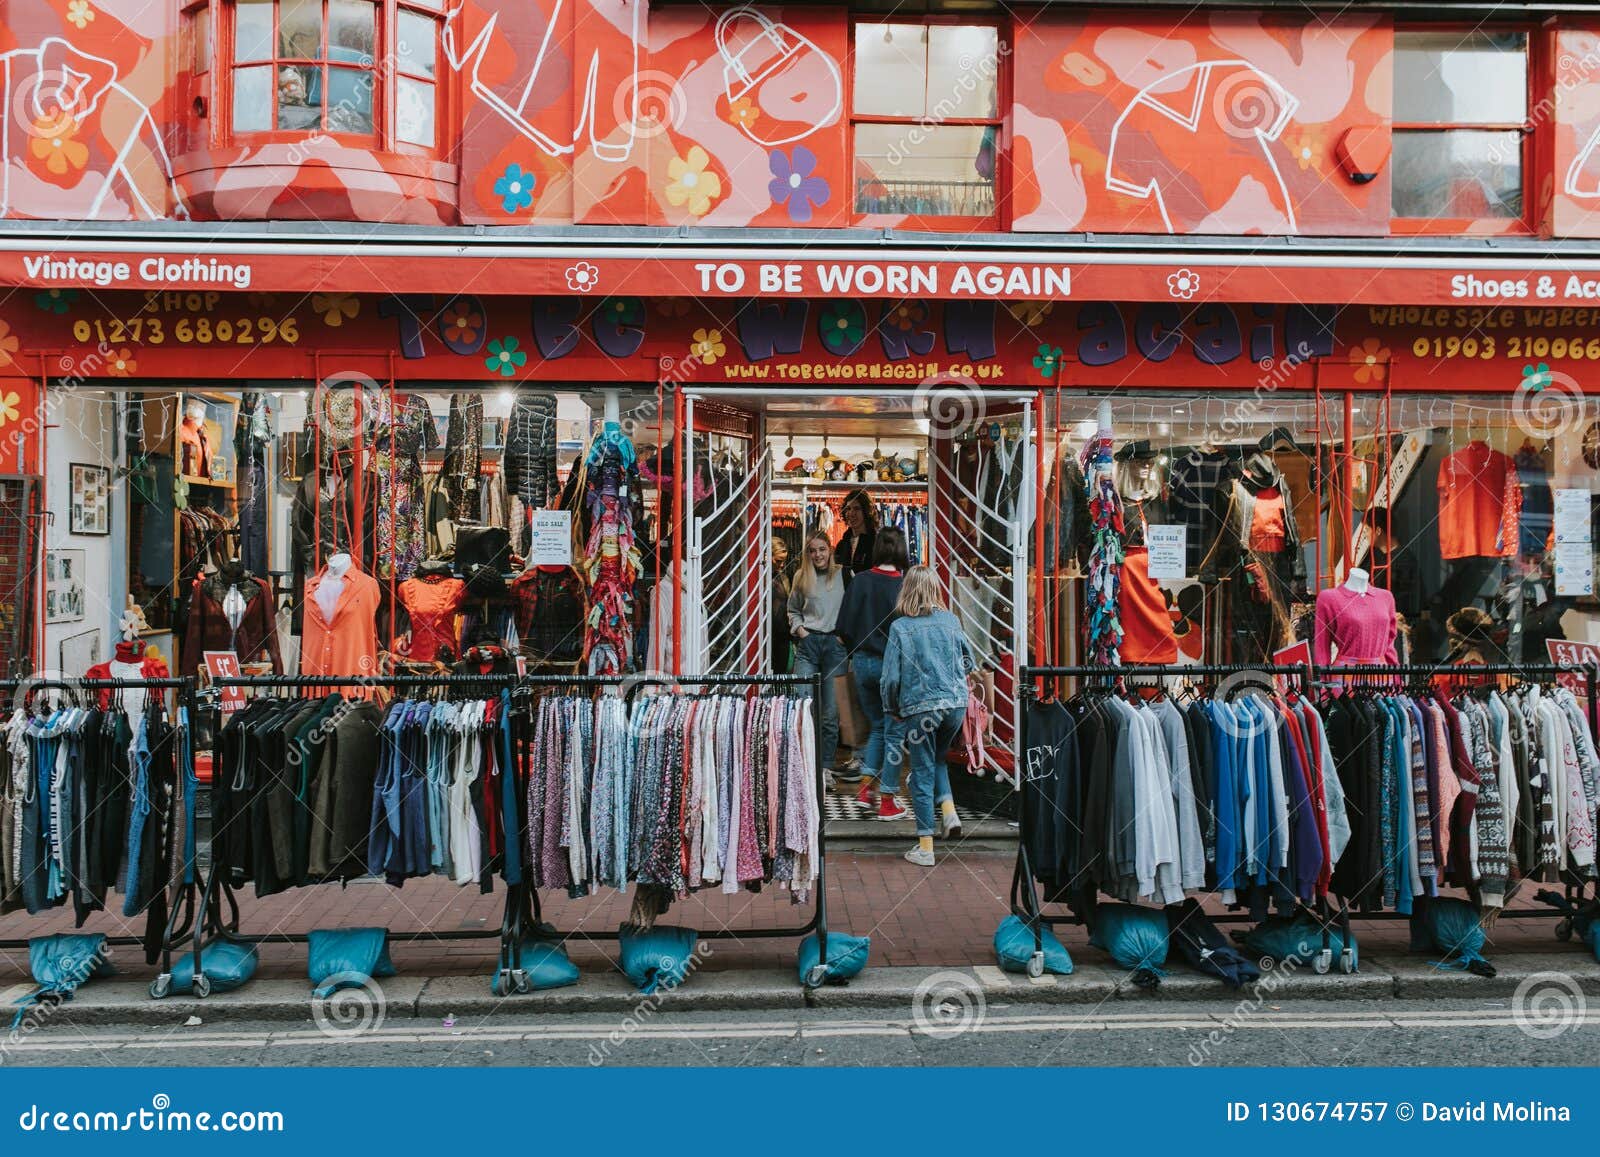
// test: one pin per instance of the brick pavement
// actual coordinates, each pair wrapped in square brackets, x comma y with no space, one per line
[946,917]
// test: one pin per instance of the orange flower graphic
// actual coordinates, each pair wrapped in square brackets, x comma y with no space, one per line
[1371,361]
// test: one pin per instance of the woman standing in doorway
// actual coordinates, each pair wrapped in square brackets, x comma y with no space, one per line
[854,551]
[864,620]
[814,603]
[926,665]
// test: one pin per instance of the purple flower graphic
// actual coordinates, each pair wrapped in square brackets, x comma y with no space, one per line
[792,183]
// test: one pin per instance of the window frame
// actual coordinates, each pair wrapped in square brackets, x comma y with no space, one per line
[1000,219]
[385,70]
[1532,134]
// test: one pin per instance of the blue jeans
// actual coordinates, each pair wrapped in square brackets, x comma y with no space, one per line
[880,760]
[927,739]
[819,652]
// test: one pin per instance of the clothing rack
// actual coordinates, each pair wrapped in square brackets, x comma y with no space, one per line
[522,913]
[182,911]
[1026,903]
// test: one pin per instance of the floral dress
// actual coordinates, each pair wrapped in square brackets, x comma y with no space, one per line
[402,530]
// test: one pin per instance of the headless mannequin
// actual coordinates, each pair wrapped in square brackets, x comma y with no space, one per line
[332,584]
[1358,581]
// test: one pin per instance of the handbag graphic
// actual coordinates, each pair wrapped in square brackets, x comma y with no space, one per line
[780,72]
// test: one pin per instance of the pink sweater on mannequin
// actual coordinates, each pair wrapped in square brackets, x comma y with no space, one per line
[1361,626]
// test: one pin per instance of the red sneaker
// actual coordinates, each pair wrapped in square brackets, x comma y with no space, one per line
[868,793]
[889,808]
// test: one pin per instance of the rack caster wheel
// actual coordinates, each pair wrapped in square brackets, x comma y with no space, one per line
[1564,931]
[161,986]
[1347,962]
[519,977]
[1036,965]
[502,984]
[202,985]
[816,975]
[1322,962]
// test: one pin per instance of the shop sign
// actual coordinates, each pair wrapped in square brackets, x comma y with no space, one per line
[1566,653]
[225,665]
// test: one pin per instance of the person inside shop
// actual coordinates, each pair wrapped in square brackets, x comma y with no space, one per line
[814,604]
[782,587]
[864,620]
[854,551]
[927,665]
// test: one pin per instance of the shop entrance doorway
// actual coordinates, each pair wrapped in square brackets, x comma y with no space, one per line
[950,467]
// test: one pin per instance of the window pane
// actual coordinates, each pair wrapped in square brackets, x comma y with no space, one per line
[252,30]
[201,31]
[1457,174]
[1460,77]
[432,5]
[300,97]
[891,69]
[414,112]
[944,171]
[414,50]
[963,67]
[300,30]
[252,99]
[350,24]
[349,100]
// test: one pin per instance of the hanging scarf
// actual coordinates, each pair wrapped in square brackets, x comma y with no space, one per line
[1102,622]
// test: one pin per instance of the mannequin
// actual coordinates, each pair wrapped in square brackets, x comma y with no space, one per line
[194,444]
[432,600]
[231,610]
[341,624]
[129,661]
[1355,623]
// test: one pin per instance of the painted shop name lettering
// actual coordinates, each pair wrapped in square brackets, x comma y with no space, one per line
[189,271]
[801,279]
[1573,287]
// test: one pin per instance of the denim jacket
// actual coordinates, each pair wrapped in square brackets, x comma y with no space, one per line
[925,665]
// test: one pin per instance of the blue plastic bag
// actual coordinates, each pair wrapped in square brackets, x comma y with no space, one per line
[62,962]
[544,963]
[847,956]
[1299,940]
[347,958]
[1455,928]
[1136,938]
[225,964]
[1013,947]
[658,957]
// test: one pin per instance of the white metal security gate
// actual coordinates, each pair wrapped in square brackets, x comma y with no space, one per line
[979,531]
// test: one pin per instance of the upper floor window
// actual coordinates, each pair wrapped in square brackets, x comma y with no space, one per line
[925,118]
[1460,129]
[351,68]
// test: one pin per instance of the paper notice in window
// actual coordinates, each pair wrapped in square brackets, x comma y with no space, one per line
[1572,516]
[1168,551]
[552,538]
[1574,568]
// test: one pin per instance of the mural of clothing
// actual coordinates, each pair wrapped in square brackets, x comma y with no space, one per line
[1226,111]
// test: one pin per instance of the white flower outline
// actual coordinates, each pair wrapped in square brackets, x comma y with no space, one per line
[582,277]
[1184,283]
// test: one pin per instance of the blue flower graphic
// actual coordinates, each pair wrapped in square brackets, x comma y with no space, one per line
[515,188]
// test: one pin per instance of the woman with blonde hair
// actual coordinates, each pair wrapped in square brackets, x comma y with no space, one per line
[925,669]
[814,602]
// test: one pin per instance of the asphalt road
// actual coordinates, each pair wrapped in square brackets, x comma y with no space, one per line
[1411,1032]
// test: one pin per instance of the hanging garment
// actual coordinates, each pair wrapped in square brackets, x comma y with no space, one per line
[344,642]
[463,456]
[530,453]
[400,443]
[431,605]
[1480,500]
[1360,627]
[232,615]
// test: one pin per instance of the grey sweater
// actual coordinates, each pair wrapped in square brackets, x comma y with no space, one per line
[819,611]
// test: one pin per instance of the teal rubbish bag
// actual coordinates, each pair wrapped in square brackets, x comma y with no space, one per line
[347,958]
[544,964]
[1300,940]
[1135,937]
[659,957]
[847,956]
[1013,948]
[225,965]
[60,964]
[1452,927]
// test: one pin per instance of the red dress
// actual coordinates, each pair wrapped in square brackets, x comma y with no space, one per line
[432,605]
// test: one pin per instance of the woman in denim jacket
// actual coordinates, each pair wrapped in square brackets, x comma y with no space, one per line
[925,669]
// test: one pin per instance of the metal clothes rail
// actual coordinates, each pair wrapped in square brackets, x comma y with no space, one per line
[182,911]
[1026,903]
[522,915]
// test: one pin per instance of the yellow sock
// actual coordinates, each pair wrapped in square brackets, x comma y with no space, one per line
[925,843]
[948,807]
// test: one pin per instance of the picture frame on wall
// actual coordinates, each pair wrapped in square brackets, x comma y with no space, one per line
[64,585]
[80,652]
[91,499]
